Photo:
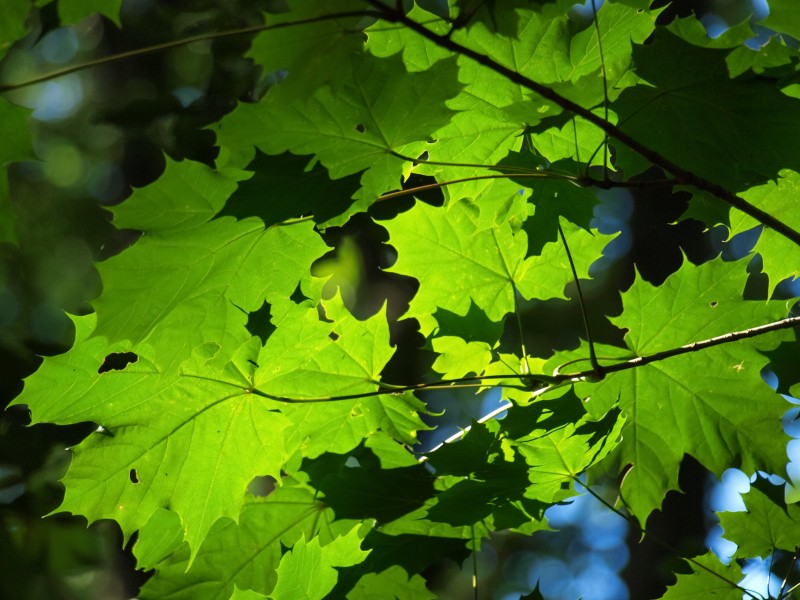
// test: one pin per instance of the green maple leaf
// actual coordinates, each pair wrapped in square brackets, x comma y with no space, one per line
[413,553]
[300,360]
[709,578]
[780,197]
[462,256]
[245,554]
[161,536]
[239,594]
[690,109]
[491,482]
[192,273]
[492,113]
[619,27]
[459,257]
[774,57]
[576,139]
[544,49]
[311,54]
[364,490]
[769,523]
[187,195]
[535,43]
[192,438]
[419,54]
[287,186]
[308,571]
[458,358]
[391,584]
[363,125]
[559,443]
[188,439]
[693,31]
[552,198]
[712,404]
[784,17]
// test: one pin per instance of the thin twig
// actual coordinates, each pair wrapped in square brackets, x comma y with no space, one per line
[537,382]
[433,186]
[635,522]
[578,181]
[788,572]
[599,372]
[726,338]
[214,35]
[474,562]
[791,589]
[683,176]
[605,86]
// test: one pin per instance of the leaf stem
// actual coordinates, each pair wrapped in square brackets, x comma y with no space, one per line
[599,372]
[791,589]
[433,186]
[788,572]
[579,181]
[474,562]
[635,522]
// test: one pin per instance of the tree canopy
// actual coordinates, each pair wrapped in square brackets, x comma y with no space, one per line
[260,387]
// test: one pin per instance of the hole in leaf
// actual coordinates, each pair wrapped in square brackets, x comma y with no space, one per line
[713,304]
[333,335]
[361,128]
[117,361]
[322,314]
[133,477]
[262,486]
[259,324]
[298,297]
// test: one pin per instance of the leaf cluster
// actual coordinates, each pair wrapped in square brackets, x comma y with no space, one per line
[220,354]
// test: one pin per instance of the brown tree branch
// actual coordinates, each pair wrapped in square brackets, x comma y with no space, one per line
[539,382]
[726,338]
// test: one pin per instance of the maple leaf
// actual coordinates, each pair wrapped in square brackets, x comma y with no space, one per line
[357,127]
[780,256]
[191,272]
[320,55]
[709,578]
[688,90]
[461,255]
[718,415]
[784,16]
[250,549]
[308,572]
[167,439]
[768,525]
[195,412]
